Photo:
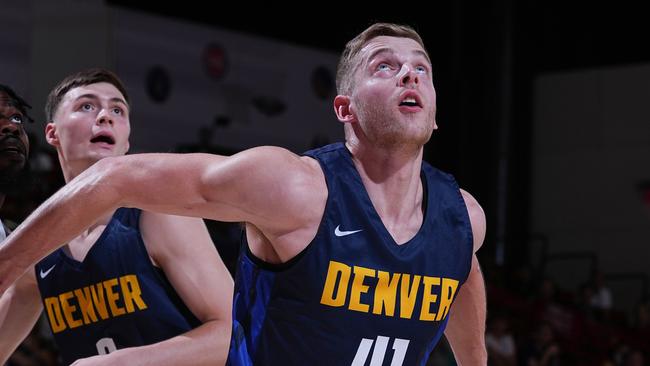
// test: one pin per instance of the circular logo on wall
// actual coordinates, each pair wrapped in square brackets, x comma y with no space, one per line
[215,61]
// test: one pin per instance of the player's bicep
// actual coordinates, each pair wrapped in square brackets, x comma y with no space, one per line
[269,187]
[477,219]
[265,185]
[166,183]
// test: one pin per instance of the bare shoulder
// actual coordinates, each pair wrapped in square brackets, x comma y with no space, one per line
[477,218]
[266,165]
[274,160]
[170,236]
[287,190]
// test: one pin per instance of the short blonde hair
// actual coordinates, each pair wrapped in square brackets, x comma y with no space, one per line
[348,62]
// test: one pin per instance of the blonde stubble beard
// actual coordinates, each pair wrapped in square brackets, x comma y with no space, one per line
[385,132]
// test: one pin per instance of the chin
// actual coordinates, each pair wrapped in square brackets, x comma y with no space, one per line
[417,136]
[99,155]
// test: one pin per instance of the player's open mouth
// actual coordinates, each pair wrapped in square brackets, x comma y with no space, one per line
[103,138]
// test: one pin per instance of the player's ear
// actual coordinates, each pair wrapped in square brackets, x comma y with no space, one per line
[51,135]
[343,109]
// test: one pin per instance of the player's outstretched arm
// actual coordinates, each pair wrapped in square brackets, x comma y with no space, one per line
[267,186]
[466,327]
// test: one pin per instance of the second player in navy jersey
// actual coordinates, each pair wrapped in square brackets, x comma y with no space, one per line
[115,298]
[125,290]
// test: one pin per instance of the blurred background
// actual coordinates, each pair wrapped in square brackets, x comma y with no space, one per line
[543,109]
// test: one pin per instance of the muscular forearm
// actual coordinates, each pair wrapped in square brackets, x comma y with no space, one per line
[205,345]
[466,328]
[62,217]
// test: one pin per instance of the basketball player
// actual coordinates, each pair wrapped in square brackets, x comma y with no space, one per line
[135,287]
[14,144]
[357,253]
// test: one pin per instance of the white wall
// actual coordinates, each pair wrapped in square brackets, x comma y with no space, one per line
[42,41]
[257,67]
[15,46]
[591,148]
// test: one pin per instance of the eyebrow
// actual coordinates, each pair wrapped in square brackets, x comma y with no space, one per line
[3,116]
[10,106]
[389,50]
[95,97]
[7,102]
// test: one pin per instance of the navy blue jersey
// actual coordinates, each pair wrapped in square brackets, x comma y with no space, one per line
[354,296]
[115,298]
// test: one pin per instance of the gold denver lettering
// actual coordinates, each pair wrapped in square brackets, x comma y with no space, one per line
[387,289]
[81,306]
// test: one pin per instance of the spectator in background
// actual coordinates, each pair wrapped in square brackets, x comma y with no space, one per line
[548,309]
[544,349]
[642,317]
[635,357]
[601,299]
[502,350]
[583,301]
[523,282]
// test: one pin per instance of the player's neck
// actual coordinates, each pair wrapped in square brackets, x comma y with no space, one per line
[71,169]
[394,168]
[79,247]
[393,183]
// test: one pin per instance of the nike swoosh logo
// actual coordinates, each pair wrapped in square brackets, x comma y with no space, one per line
[338,231]
[44,274]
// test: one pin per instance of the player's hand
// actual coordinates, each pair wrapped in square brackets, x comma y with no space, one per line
[100,360]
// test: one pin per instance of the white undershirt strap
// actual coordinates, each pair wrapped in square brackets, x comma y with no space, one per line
[3,234]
